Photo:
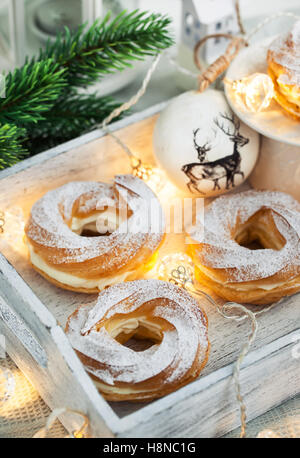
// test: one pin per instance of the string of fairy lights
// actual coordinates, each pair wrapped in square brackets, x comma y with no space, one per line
[253,93]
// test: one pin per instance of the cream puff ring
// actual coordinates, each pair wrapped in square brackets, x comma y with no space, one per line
[144,309]
[246,247]
[85,236]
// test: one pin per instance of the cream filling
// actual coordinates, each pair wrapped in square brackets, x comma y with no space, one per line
[246,287]
[127,326]
[113,389]
[290,97]
[289,91]
[107,221]
[72,280]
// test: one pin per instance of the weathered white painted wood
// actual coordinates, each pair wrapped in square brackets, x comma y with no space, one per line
[146,422]
[11,283]
[213,411]
[46,357]
[22,333]
[82,140]
[58,385]
[94,157]
[279,321]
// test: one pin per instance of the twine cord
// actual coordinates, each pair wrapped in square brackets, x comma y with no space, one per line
[136,97]
[238,17]
[243,353]
[268,19]
[127,105]
[184,277]
[221,63]
[115,113]
[225,312]
[119,142]
[213,71]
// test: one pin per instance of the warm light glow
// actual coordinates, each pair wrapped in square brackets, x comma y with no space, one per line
[2,222]
[12,228]
[78,435]
[268,434]
[153,176]
[22,394]
[7,385]
[149,265]
[254,92]
[177,268]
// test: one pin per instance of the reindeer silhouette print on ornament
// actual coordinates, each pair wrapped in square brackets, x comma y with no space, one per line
[203,147]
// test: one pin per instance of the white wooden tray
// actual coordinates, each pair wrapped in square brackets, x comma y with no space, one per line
[33,314]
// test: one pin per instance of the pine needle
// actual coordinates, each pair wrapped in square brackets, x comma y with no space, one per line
[11,149]
[31,91]
[72,116]
[42,97]
[108,46]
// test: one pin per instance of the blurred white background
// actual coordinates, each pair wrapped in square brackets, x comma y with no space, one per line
[25,26]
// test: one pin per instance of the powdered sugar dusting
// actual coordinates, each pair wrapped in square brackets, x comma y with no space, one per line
[185,342]
[286,51]
[50,219]
[219,250]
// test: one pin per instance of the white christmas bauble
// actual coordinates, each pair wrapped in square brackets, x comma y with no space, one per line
[202,146]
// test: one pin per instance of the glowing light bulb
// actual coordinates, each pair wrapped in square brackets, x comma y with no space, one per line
[267,434]
[78,435]
[254,92]
[177,268]
[153,176]
[82,432]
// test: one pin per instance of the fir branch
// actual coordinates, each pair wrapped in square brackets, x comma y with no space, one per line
[108,46]
[72,115]
[11,149]
[41,95]
[31,91]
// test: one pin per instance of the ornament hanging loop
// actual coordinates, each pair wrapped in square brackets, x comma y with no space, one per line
[221,63]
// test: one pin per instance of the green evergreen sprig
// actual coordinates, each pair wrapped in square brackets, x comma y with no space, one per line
[31,91]
[11,149]
[42,96]
[73,114]
[108,46]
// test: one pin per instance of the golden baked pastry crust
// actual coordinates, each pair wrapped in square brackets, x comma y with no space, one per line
[248,250]
[151,309]
[254,295]
[283,58]
[274,71]
[90,263]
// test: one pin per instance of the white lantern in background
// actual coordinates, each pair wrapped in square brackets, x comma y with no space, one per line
[198,19]
[202,146]
[27,25]
[12,33]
